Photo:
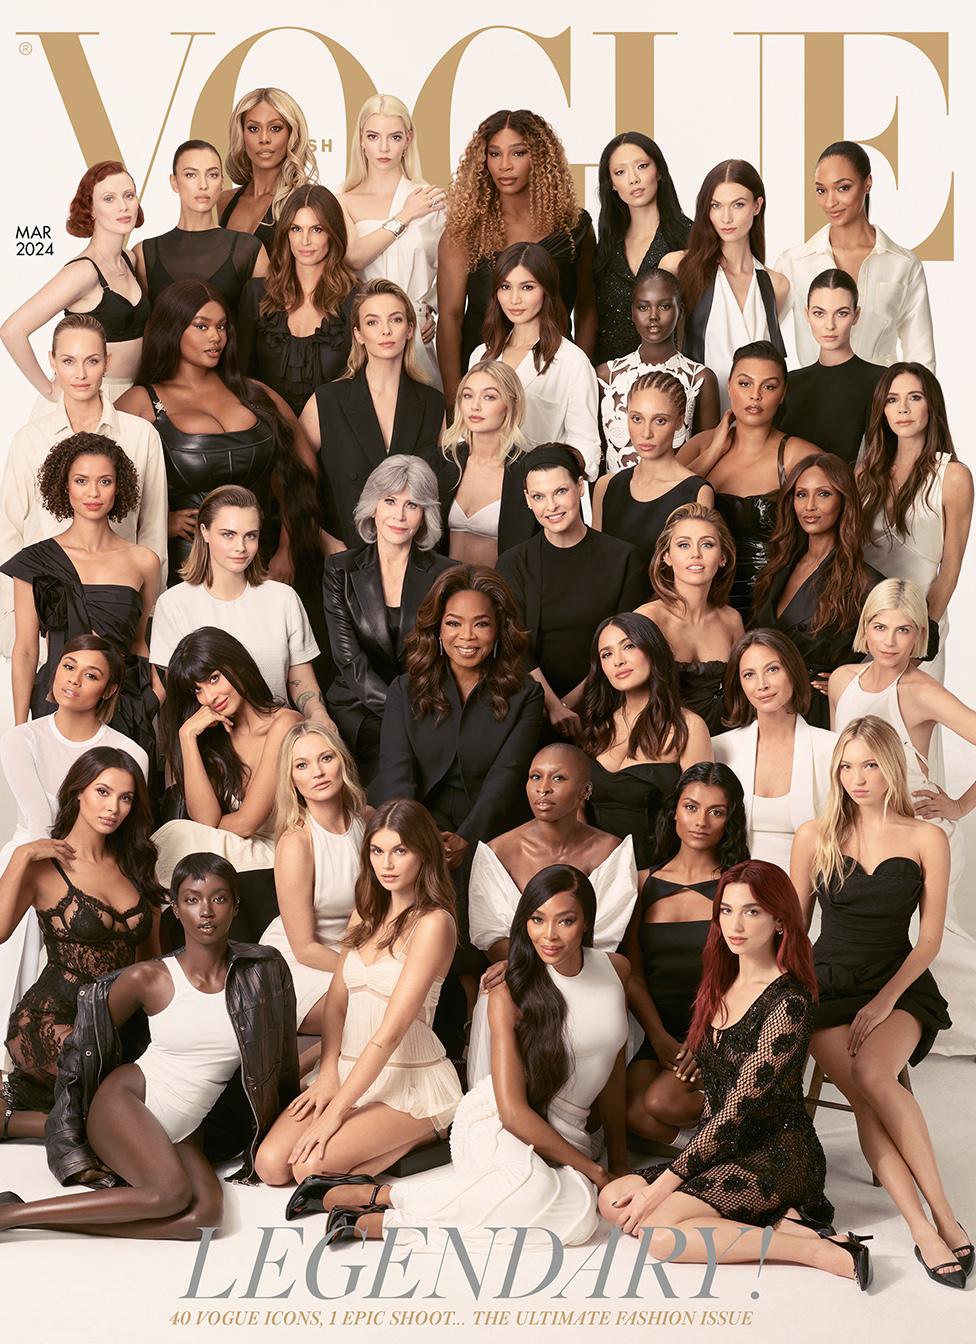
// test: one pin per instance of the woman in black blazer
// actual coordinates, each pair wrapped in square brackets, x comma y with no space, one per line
[381,405]
[371,596]
[461,725]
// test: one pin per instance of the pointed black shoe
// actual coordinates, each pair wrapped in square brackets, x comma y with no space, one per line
[955,1278]
[823,1230]
[859,1253]
[310,1195]
[341,1223]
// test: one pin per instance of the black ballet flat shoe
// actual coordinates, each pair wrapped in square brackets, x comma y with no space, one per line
[8,1197]
[310,1195]
[341,1223]
[955,1278]
[824,1230]
[965,1256]
[859,1253]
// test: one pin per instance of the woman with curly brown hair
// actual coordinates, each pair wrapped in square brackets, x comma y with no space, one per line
[512,185]
[816,577]
[293,327]
[105,210]
[270,153]
[462,722]
[87,580]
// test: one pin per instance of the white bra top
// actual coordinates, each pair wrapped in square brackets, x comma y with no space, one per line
[482,523]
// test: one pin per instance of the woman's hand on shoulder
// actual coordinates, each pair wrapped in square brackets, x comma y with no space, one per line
[36,851]
[494,976]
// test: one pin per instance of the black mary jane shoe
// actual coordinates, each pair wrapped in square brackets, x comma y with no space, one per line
[965,1255]
[859,1253]
[955,1276]
[341,1223]
[310,1195]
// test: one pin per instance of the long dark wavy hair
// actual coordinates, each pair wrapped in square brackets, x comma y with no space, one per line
[614,214]
[198,655]
[502,673]
[660,728]
[433,889]
[733,847]
[129,844]
[700,262]
[172,313]
[773,891]
[282,290]
[881,445]
[843,579]
[553,322]
[539,1032]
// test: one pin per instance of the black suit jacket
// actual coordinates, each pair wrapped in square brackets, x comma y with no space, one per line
[416,754]
[617,571]
[355,609]
[516,521]
[352,443]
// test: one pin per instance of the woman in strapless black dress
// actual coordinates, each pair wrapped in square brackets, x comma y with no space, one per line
[701,831]
[635,729]
[870,864]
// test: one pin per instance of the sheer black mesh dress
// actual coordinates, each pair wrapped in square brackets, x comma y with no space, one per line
[756,1154]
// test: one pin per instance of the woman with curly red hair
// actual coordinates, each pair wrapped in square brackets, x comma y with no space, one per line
[755,1161]
[105,209]
[512,185]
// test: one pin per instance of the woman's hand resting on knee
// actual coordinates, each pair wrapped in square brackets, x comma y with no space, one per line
[316,1097]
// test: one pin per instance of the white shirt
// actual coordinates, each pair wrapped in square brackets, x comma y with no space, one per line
[269,621]
[892,292]
[24,519]
[562,405]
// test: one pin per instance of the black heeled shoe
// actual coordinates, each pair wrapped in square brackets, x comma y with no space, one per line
[965,1255]
[859,1253]
[310,1195]
[341,1223]
[955,1278]
[824,1230]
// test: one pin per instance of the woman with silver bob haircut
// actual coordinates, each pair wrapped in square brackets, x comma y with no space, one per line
[371,595]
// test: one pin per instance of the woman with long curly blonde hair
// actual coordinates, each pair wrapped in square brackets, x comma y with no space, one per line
[270,155]
[513,185]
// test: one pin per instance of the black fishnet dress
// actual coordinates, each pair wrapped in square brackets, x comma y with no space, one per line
[756,1153]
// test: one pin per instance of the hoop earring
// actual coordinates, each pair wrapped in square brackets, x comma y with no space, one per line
[494,651]
[441,643]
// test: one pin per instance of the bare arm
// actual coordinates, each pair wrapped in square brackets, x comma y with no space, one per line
[801,867]
[452,285]
[957,515]
[707,404]
[306,694]
[258,798]
[599,490]
[584,309]
[27,643]
[260,264]
[63,290]
[295,884]
[699,744]
[150,568]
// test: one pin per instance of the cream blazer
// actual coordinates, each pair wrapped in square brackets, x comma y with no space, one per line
[812,751]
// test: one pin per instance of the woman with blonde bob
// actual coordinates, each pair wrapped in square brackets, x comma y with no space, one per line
[394,217]
[319,818]
[270,154]
[692,571]
[481,481]
[870,864]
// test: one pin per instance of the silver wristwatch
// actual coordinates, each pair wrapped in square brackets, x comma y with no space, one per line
[395,226]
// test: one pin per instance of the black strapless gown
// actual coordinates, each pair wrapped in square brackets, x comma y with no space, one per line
[671,952]
[702,687]
[66,608]
[864,940]
[626,802]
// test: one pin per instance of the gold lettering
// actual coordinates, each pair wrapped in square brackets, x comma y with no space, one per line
[633,82]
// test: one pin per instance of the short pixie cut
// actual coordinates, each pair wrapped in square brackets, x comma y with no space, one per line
[52,479]
[402,471]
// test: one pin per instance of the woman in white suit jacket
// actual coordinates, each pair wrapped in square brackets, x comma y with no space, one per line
[782,763]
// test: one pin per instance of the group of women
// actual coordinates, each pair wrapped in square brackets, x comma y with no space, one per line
[500,658]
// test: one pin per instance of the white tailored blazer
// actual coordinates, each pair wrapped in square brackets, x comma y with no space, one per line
[812,752]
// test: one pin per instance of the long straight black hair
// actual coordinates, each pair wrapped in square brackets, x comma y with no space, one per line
[539,1032]
[733,847]
[614,214]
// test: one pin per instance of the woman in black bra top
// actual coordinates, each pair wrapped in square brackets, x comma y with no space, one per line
[99,843]
[747,460]
[100,282]
[701,831]
[219,428]
[197,249]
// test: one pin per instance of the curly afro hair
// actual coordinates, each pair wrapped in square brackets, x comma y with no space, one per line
[52,479]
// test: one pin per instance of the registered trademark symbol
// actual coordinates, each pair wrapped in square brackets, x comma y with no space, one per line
[25,48]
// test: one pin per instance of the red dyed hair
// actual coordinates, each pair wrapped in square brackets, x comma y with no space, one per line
[81,222]
[774,892]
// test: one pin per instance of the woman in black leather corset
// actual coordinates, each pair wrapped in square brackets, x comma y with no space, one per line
[220,428]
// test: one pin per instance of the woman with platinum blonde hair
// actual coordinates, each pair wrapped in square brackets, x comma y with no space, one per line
[870,864]
[394,217]
[893,632]
[372,594]
[319,819]
[270,155]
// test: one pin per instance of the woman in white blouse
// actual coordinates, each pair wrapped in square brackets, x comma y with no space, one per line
[225,586]
[523,329]
[783,764]
[890,279]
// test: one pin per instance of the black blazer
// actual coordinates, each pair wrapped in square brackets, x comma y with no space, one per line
[352,443]
[416,754]
[516,520]
[355,610]
[617,571]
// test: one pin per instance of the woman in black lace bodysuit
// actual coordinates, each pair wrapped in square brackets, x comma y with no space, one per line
[99,842]
[755,1158]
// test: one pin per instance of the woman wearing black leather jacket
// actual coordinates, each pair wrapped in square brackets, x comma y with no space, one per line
[220,1064]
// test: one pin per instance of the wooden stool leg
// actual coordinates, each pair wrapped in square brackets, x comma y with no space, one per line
[812,1099]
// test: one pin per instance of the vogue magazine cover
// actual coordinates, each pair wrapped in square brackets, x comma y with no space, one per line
[487,708]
